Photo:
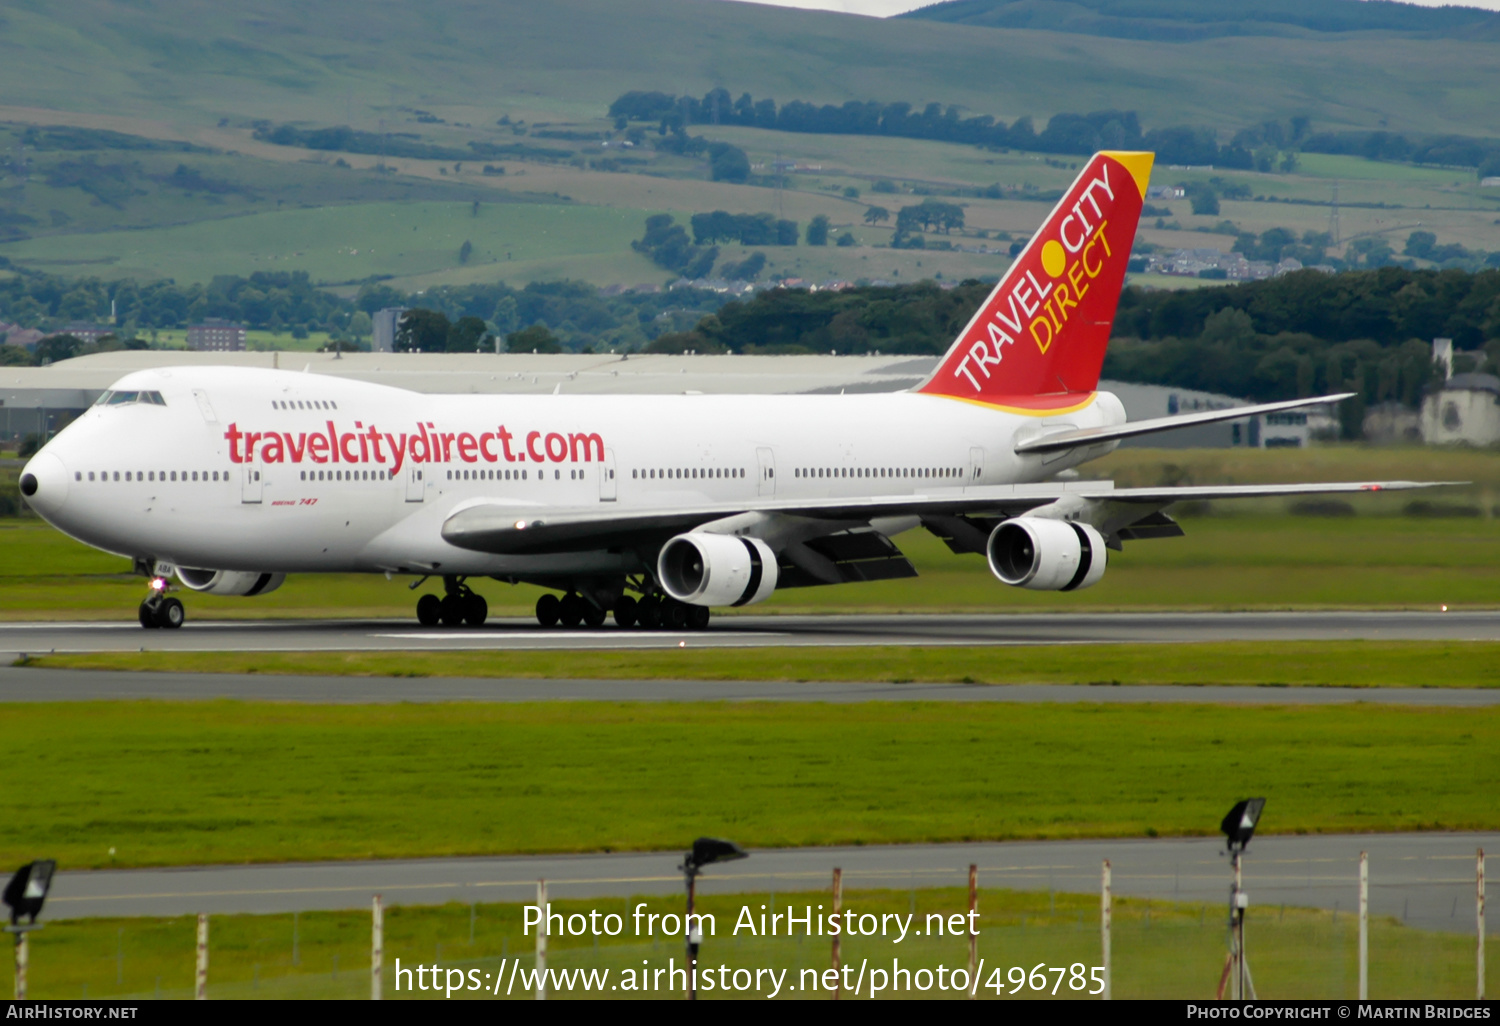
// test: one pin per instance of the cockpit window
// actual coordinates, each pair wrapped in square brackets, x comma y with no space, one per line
[122,398]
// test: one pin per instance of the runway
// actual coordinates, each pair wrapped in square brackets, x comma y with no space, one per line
[1425,880]
[45,685]
[754,632]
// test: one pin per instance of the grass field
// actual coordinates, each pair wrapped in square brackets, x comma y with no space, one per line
[1249,562]
[1351,664]
[350,243]
[224,782]
[1159,949]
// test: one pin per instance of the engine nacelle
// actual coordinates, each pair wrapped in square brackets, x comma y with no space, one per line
[1046,555]
[717,569]
[229,582]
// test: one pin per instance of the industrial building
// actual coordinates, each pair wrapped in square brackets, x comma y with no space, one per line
[215,336]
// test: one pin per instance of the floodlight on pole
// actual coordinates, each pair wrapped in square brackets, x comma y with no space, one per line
[25,894]
[28,889]
[1238,827]
[705,852]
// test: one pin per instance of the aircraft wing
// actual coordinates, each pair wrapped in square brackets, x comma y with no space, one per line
[506,529]
[1073,438]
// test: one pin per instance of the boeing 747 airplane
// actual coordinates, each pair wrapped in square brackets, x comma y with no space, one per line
[652,508]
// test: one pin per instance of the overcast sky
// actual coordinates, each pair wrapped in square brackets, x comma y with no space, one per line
[885,8]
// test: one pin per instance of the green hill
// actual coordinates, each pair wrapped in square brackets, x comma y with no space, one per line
[469,141]
[471,61]
[1180,20]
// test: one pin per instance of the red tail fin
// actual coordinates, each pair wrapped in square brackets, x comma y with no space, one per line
[1039,340]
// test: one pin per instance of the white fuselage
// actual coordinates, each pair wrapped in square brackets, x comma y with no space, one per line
[274,471]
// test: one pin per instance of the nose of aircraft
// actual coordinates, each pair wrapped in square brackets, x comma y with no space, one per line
[44,483]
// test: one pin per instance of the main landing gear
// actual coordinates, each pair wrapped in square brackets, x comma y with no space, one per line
[650,612]
[461,605]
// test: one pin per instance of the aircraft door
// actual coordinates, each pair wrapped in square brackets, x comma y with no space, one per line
[607,477]
[976,465]
[766,482]
[251,484]
[416,488]
[204,406]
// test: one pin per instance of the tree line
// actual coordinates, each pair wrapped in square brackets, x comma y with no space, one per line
[1299,334]
[1268,146]
[1076,134]
[576,314]
[343,139]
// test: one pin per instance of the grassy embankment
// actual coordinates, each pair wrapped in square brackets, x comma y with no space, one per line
[1160,949]
[200,782]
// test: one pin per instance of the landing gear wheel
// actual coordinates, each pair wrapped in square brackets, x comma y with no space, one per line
[674,616]
[698,618]
[625,612]
[548,610]
[429,610]
[148,617]
[476,610]
[170,614]
[593,615]
[570,610]
[452,610]
[648,612]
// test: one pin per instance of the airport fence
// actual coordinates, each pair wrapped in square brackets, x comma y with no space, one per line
[1416,934]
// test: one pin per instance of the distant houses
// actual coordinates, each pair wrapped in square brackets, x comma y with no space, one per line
[85,331]
[15,335]
[1207,262]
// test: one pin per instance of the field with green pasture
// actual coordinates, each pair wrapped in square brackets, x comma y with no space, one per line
[182,783]
[352,242]
[261,208]
[1159,949]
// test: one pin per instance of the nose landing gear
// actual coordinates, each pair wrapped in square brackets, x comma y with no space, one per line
[161,611]
[158,609]
[461,605]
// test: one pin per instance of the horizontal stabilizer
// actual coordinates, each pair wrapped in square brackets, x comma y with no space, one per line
[1074,438]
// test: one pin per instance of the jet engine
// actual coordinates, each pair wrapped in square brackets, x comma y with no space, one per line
[1046,555]
[229,582]
[717,569]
